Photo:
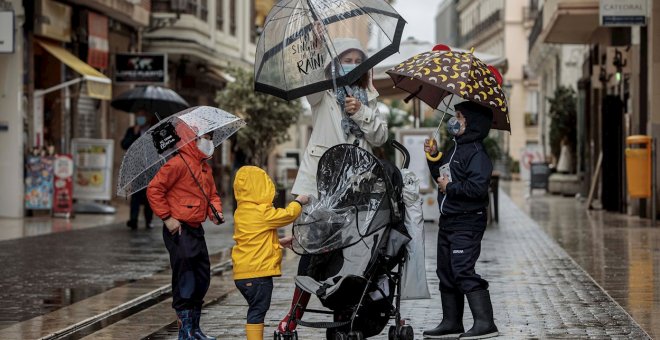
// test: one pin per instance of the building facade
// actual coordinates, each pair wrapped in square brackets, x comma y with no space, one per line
[617,86]
[446,23]
[59,75]
[501,27]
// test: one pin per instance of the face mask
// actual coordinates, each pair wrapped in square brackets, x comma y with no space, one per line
[454,126]
[205,146]
[346,68]
[141,120]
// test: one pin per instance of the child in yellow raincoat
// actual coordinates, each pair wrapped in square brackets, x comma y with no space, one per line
[257,255]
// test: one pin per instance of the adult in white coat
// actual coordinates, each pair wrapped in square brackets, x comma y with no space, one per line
[348,116]
[332,113]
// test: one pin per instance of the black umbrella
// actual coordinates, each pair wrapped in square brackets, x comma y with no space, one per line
[154,99]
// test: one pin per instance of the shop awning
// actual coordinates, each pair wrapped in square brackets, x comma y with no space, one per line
[98,85]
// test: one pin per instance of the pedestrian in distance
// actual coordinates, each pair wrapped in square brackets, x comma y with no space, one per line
[339,117]
[463,177]
[142,124]
[183,194]
[257,255]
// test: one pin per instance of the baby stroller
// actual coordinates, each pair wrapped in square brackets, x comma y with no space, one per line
[356,236]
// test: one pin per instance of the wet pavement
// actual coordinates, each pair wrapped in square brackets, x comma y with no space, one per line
[621,253]
[43,273]
[538,292]
[43,224]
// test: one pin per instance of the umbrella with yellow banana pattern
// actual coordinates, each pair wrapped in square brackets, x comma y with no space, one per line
[431,76]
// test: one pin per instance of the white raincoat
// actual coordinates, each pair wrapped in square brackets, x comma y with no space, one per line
[327,130]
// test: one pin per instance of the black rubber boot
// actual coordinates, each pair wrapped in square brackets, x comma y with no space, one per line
[452,318]
[185,323]
[197,331]
[482,312]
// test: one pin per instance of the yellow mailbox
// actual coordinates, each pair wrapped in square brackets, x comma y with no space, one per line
[638,165]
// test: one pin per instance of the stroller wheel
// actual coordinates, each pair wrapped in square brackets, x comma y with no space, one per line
[391,334]
[285,336]
[355,335]
[407,333]
[341,336]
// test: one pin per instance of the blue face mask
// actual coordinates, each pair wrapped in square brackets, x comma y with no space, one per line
[141,120]
[344,69]
[453,126]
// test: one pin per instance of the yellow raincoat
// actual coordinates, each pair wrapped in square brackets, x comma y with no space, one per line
[258,252]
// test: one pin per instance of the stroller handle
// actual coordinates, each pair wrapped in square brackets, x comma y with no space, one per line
[404,151]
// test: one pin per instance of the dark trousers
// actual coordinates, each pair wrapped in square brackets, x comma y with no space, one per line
[458,251]
[137,199]
[191,268]
[257,292]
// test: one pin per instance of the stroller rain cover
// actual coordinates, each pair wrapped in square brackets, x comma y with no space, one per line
[356,199]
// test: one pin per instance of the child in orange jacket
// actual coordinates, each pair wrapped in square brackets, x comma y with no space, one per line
[257,255]
[177,198]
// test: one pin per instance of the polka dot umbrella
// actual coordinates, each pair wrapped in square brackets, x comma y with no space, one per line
[431,76]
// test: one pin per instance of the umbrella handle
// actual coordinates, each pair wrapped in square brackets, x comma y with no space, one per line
[432,158]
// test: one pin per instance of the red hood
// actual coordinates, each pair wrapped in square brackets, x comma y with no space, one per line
[188,143]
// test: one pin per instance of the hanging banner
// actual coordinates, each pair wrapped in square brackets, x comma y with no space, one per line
[39,182]
[63,188]
[97,55]
[92,168]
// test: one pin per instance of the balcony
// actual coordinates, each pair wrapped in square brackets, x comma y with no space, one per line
[133,13]
[480,28]
[570,21]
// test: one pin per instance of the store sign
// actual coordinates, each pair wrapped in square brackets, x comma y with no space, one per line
[97,55]
[622,13]
[6,31]
[53,20]
[92,178]
[63,188]
[141,68]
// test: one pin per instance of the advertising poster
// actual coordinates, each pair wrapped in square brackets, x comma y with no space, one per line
[39,182]
[63,186]
[92,178]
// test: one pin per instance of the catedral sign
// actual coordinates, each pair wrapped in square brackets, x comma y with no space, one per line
[623,12]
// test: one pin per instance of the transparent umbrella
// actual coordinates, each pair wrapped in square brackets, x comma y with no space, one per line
[154,148]
[300,39]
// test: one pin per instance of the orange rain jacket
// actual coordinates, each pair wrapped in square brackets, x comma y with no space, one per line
[258,252]
[173,191]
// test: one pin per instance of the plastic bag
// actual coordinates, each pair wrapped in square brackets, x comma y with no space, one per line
[413,280]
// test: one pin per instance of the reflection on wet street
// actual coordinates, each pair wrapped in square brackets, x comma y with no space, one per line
[621,253]
[88,262]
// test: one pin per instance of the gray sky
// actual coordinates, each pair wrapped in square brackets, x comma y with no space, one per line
[420,15]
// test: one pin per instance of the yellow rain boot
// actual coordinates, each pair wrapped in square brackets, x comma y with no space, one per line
[254,331]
